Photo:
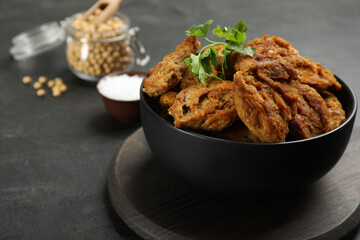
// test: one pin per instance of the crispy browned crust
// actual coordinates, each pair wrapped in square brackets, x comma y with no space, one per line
[260,107]
[207,107]
[314,75]
[169,72]
[277,93]
[276,48]
[167,99]
[337,113]
[309,111]
[273,103]
[308,108]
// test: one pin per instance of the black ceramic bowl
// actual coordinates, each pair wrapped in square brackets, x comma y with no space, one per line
[223,166]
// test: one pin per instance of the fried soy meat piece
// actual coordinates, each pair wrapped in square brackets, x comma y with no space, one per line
[313,74]
[169,72]
[207,107]
[276,48]
[260,107]
[301,112]
[309,110]
[309,72]
[237,132]
[167,99]
[267,48]
[337,113]
[188,80]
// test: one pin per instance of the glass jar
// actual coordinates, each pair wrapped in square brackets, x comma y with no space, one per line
[90,55]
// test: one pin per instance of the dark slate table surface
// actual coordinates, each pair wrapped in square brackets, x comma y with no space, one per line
[55,153]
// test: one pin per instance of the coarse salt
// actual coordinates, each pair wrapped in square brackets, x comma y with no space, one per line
[121,87]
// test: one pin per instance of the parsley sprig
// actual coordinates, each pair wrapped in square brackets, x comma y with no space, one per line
[200,64]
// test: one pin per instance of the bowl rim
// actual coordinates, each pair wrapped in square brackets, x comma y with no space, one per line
[214,139]
[130,73]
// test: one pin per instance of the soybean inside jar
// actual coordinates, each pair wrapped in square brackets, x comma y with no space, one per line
[94,50]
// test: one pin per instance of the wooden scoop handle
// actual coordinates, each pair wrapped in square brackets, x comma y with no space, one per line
[108,7]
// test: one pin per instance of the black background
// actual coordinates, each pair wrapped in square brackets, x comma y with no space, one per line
[54,153]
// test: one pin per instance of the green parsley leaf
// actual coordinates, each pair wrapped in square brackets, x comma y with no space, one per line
[210,55]
[205,61]
[202,76]
[240,26]
[231,35]
[193,62]
[207,58]
[219,31]
[214,58]
[226,53]
[206,53]
[199,30]
[242,49]
[200,65]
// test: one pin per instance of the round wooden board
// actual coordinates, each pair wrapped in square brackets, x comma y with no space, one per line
[158,205]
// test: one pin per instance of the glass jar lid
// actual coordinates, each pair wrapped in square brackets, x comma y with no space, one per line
[37,40]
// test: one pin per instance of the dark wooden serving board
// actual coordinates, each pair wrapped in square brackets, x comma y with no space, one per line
[158,205]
